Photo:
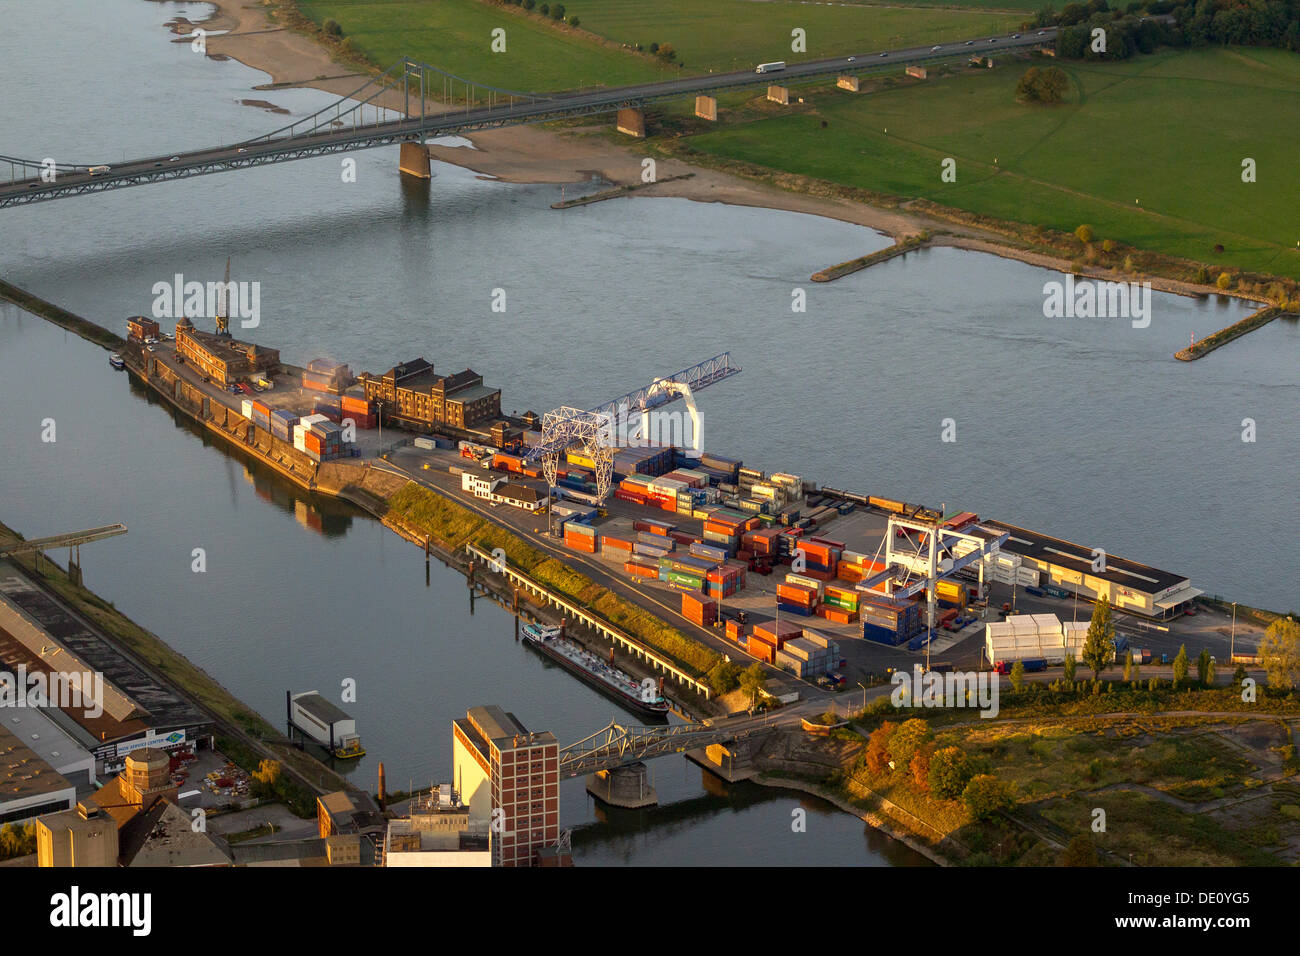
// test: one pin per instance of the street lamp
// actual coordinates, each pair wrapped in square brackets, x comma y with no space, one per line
[864,696]
[1232,640]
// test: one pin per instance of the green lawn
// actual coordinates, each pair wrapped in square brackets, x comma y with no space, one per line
[456,35]
[1148,152]
[708,35]
[734,34]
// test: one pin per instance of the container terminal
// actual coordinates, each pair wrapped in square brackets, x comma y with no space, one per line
[821,584]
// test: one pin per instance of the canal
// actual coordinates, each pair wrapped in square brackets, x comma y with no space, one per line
[1083,428]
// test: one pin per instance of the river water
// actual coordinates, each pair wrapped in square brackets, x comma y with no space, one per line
[1083,428]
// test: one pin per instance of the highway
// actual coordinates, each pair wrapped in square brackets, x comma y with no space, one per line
[336,137]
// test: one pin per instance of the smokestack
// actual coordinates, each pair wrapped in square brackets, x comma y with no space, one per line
[381,785]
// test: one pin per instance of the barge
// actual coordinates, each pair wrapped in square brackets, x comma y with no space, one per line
[643,698]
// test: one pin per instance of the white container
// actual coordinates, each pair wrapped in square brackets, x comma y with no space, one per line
[246,408]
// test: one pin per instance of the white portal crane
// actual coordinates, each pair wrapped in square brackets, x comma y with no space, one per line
[666,386]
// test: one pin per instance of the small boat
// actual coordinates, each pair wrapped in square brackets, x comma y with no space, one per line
[115,360]
[643,698]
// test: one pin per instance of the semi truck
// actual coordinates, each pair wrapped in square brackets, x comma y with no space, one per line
[770,67]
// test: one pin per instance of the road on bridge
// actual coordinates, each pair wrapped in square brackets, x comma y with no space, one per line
[328,138]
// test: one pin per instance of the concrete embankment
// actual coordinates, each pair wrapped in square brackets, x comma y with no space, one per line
[862,262]
[61,317]
[1225,335]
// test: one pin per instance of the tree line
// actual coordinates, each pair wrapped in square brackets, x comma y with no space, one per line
[1133,30]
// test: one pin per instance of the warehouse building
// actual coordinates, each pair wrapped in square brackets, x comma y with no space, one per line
[1129,586]
[29,786]
[413,393]
[139,328]
[222,359]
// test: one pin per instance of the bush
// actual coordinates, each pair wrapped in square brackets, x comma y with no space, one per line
[557,12]
[574,21]
[332,28]
[950,772]
[1224,281]
[1084,233]
[725,678]
[544,9]
[986,795]
[529,4]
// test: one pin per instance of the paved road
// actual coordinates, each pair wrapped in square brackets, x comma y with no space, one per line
[333,140]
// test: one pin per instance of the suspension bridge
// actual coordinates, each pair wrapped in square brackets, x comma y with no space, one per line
[359,120]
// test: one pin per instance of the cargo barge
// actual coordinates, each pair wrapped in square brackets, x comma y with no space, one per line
[644,698]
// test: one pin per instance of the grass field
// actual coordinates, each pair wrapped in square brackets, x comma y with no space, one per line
[708,35]
[726,35]
[456,36]
[1148,151]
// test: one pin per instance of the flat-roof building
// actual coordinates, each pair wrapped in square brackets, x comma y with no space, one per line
[1129,586]
[29,786]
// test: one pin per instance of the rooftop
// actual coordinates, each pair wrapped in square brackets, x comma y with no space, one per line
[1130,574]
[23,772]
[319,707]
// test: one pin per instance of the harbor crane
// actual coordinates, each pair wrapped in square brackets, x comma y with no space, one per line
[603,429]
[929,553]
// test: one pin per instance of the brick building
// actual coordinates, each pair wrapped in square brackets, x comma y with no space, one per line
[220,358]
[413,392]
[501,766]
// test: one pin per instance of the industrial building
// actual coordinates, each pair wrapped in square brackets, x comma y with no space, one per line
[437,833]
[132,821]
[223,359]
[501,491]
[324,723]
[141,329]
[322,375]
[40,635]
[1129,586]
[414,394]
[29,786]
[499,765]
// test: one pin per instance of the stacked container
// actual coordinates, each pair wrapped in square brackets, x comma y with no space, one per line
[641,567]
[699,610]
[885,621]
[724,581]
[360,409]
[580,537]
[797,599]
[282,422]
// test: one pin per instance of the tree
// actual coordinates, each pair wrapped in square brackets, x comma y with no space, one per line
[1108,246]
[267,772]
[1042,85]
[557,12]
[1224,281]
[1069,665]
[544,9]
[1099,647]
[1128,665]
[910,737]
[1080,852]
[950,771]
[725,678]
[1180,666]
[986,795]
[1017,676]
[17,839]
[920,767]
[1203,667]
[752,682]
[1084,233]
[332,28]
[574,21]
[1279,652]
[877,755]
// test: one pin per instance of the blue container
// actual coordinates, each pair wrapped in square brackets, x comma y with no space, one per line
[793,609]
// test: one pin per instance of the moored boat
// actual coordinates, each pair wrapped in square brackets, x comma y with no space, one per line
[643,698]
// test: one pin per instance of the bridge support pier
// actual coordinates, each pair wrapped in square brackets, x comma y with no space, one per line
[414,161]
[631,122]
[626,787]
[706,107]
[779,94]
[732,760]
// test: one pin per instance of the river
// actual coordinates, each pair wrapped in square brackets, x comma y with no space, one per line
[1083,428]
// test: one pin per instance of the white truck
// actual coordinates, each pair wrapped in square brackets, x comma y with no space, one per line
[770,67]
